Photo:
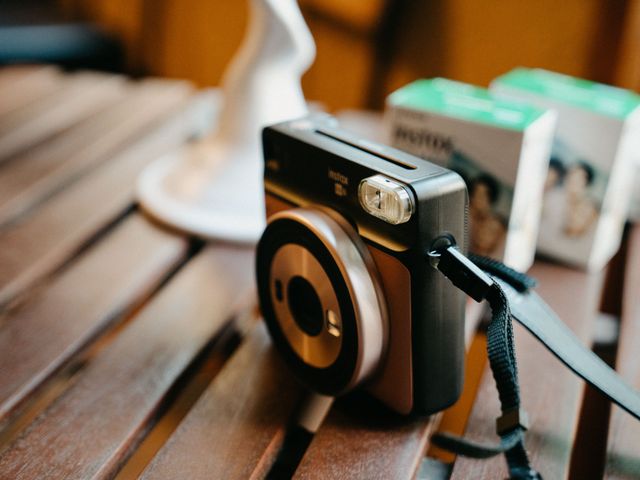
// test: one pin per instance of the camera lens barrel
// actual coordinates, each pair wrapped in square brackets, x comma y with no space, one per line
[321,299]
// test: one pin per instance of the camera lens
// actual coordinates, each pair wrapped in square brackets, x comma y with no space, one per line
[305,306]
[320,299]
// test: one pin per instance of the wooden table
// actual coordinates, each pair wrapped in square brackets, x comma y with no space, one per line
[127,349]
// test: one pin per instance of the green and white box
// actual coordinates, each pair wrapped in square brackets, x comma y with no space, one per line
[501,149]
[590,178]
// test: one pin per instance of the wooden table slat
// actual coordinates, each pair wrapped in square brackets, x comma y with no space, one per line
[90,429]
[11,75]
[82,95]
[33,176]
[623,445]
[236,428]
[361,442]
[103,284]
[47,237]
[551,393]
[19,86]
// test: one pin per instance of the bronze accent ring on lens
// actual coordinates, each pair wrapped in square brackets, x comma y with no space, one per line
[313,330]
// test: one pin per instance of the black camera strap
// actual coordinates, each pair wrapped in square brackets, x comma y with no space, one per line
[509,294]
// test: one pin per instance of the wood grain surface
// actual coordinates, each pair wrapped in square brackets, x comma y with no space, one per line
[623,459]
[10,73]
[237,427]
[81,96]
[106,319]
[35,175]
[89,430]
[551,393]
[40,242]
[13,75]
[95,291]
[360,440]
[34,82]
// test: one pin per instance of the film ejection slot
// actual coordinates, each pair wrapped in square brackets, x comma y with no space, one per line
[385,199]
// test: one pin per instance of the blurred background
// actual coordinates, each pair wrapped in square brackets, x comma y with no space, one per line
[365,48]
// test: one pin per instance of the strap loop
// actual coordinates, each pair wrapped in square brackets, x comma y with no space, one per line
[462,272]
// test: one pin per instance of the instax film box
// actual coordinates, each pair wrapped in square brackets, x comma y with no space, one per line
[500,148]
[590,178]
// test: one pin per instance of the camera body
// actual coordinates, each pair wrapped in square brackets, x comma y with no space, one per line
[343,281]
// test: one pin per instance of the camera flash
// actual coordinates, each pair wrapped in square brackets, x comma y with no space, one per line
[385,199]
